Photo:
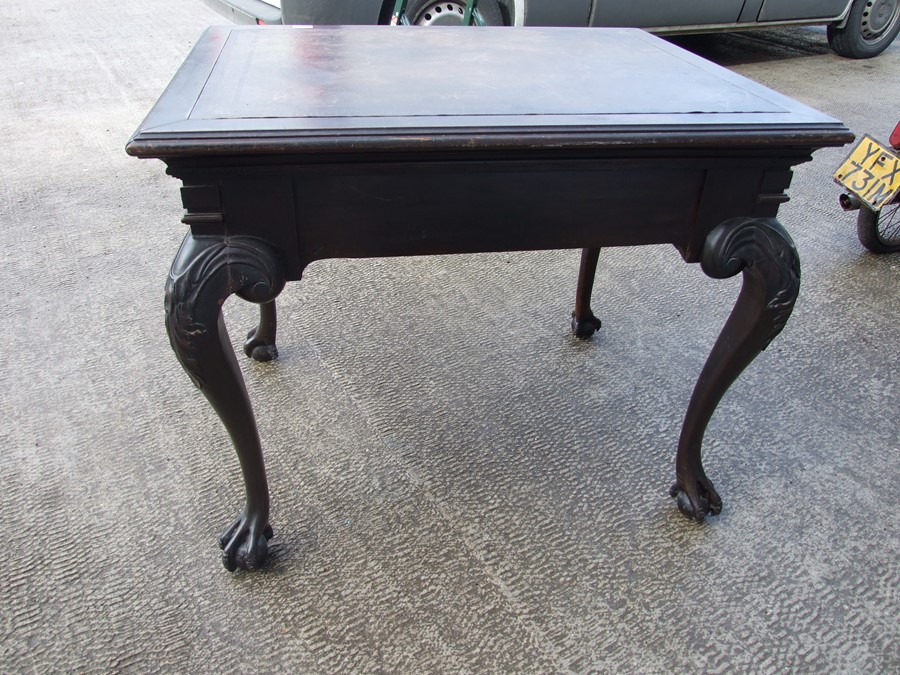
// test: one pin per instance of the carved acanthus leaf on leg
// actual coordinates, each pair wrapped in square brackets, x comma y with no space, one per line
[762,250]
[206,271]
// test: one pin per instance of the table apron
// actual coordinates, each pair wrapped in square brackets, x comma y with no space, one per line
[395,209]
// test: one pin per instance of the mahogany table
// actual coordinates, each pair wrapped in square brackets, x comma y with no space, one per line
[295,144]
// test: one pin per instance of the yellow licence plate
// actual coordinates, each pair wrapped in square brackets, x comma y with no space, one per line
[871,172]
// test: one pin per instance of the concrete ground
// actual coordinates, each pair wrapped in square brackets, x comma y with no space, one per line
[458,485]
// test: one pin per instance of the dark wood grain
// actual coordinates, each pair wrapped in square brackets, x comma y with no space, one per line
[295,89]
[297,144]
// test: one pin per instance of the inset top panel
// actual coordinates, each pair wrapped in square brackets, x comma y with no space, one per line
[406,72]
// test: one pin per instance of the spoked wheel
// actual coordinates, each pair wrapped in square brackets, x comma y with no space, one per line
[880,232]
[870,28]
[451,12]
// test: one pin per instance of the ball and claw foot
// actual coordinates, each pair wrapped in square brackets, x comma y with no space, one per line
[697,500]
[585,326]
[260,349]
[244,544]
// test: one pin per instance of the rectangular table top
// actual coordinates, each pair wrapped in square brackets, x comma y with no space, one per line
[294,89]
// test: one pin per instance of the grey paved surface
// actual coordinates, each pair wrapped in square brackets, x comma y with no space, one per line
[458,485]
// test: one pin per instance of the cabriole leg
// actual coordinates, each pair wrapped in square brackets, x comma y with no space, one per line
[764,252]
[584,323]
[205,272]
[260,344]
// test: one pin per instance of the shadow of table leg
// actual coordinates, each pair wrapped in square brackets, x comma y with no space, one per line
[764,252]
[205,272]
[584,323]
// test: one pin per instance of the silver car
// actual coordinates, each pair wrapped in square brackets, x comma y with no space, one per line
[856,28]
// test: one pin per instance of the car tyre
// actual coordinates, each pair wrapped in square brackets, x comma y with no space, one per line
[427,12]
[871,27]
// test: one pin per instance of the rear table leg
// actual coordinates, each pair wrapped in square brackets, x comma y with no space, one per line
[260,344]
[584,323]
[764,252]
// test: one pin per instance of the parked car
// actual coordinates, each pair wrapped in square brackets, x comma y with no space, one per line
[856,28]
